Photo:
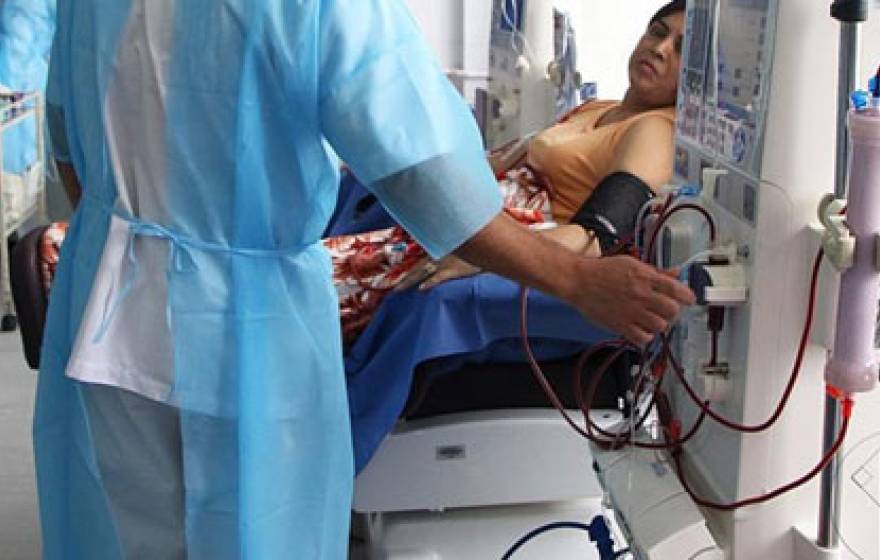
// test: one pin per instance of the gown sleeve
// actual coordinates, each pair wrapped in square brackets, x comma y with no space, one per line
[388,110]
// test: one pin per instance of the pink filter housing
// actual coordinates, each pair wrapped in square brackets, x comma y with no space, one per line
[853,365]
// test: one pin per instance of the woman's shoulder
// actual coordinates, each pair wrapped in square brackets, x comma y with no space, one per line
[662,114]
[645,147]
[652,128]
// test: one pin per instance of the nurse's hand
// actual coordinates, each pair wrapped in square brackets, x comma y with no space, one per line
[630,297]
[430,273]
[449,268]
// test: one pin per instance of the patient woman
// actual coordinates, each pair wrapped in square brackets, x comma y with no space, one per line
[590,173]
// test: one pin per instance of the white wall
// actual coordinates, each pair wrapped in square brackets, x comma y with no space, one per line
[607,30]
[442,23]
[459,32]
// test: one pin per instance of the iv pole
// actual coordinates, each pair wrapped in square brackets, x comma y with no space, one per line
[850,13]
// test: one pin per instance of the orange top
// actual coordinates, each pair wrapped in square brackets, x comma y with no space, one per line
[575,155]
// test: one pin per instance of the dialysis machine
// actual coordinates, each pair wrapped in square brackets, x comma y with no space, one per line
[756,133]
[532,67]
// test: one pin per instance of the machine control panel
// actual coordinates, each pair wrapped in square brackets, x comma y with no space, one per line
[724,87]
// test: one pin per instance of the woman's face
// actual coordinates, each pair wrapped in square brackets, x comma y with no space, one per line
[655,62]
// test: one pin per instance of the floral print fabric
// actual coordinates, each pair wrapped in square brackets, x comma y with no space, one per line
[367,266]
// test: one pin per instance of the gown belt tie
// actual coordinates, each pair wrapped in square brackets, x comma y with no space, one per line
[180,259]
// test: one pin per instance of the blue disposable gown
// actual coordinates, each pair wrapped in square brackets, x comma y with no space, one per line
[26,30]
[205,134]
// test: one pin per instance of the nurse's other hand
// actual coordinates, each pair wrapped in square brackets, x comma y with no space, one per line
[629,297]
[428,273]
[449,268]
[422,269]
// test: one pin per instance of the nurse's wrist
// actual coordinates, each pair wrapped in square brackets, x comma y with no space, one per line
[567,283]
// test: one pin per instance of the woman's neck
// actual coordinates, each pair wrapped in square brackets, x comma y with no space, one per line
[633,104]
[629,106]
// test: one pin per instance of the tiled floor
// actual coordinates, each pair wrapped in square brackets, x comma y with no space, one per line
[19,531]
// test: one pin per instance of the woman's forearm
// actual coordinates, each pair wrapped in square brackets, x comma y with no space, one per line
[574,238]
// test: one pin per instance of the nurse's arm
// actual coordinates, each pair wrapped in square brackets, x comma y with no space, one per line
[70,182]
[618,293]
[61,149]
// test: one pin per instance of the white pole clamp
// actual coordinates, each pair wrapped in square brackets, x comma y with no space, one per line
[837,241]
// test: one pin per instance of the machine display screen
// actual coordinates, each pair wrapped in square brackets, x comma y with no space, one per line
[725,79]
[741,73]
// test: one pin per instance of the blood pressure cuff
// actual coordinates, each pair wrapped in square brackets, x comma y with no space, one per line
[612,209]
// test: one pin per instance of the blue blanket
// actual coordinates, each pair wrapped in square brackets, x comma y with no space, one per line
[473,320]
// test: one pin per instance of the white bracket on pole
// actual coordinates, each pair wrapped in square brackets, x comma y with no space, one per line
[837,241]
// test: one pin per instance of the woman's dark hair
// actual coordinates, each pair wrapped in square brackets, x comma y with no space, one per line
[671,8]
